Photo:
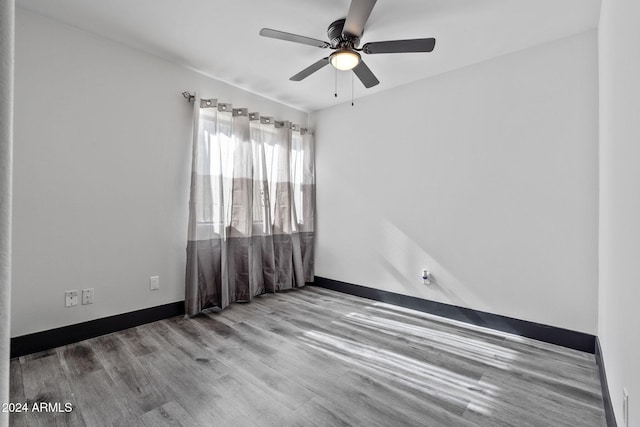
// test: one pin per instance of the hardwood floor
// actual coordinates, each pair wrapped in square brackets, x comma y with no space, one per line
[309,357]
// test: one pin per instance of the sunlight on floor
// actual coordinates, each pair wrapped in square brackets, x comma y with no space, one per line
[421,376]
[473,349]
[409,313]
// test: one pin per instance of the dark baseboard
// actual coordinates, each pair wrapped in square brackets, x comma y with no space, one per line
[52,338]
[606,397]
[550,334]
[39,341]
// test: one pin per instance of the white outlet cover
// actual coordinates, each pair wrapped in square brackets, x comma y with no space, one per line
[87,296]
[70,298]
[154,283]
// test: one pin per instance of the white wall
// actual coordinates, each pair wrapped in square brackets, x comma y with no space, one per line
[102,166]
[619,44]
[486,175]
[6,161]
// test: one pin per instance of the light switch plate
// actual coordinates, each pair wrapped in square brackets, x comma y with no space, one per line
[154,283]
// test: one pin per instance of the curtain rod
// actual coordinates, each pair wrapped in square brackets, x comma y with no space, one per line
[188,96]
[253,116]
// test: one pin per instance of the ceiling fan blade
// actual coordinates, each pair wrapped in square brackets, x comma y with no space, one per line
[400,46]
[365,75]
[357,16]
[275,34]
[310,70]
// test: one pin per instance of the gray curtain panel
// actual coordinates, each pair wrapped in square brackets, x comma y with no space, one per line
[252,206]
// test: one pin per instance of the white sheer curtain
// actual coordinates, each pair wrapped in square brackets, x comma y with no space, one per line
[252,206]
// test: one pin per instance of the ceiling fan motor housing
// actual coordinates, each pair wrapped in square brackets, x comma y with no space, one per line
[338,39]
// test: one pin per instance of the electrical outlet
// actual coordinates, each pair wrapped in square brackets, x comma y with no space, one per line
[70,298]
[154,283]
[87,296]
[625,407]
[426,277]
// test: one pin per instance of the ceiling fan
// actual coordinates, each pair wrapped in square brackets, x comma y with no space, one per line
[345,37]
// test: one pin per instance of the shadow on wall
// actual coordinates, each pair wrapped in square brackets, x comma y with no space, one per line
[399,255]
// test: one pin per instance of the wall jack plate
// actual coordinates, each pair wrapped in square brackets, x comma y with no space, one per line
[87,296]
[70,298]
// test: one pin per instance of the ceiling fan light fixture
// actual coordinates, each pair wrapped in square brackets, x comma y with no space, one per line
[345,59]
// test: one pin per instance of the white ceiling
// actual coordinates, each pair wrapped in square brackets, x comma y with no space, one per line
[220,38]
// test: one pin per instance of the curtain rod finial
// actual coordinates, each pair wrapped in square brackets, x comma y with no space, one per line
[188,96]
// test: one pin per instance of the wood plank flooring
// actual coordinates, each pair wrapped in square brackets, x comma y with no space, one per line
[309,357]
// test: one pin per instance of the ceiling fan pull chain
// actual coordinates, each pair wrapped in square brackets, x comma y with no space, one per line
[352,89]
[335,80]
